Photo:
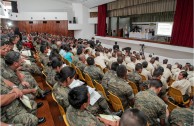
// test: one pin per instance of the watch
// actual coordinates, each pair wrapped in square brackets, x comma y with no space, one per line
[14,86]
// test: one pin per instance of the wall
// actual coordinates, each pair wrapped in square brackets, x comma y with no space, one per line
[82,15]
[30,16]
[38,26]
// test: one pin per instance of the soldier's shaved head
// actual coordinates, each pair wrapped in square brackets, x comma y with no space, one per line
[133,117]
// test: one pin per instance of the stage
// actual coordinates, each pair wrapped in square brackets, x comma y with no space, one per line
[162,49]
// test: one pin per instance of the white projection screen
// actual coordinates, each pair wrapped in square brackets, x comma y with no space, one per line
[164,28]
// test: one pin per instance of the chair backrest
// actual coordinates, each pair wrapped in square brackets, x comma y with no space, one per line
[49,85]
[105,70]
[44,74]
[88,80]
[116,102]
[171,106]
[74,67]
[176,95]
[133,86]
[100,88]
[61,111]
[81,77]
[99,66]
[143,77]
[68,63]
[170,82]
[192,92]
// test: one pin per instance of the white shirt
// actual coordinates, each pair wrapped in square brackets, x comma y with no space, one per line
[131,66]
[146,73]
[182,85]
[150,68]
[111,60]
[100,60]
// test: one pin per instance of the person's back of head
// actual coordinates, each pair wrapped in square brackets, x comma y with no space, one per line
[65,73]
[97,53]
[115,43]
[158,72]
[155,83]
[114,66]
[78,96]
[113,54]
[90,61]
[12,57]
[145,64]
[165,61]
[55,62]
[191,68]
[119,53]
[120,59]
[169,66]
[152,60]
[82,58]
[43,48]
[133,59]
[79,51]
[180,66]
[157,58]
[133,117]
[184,74]
[138,67]
[150,55]
[121,71]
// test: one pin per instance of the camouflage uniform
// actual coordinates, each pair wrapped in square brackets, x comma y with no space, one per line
[108,75]
[94,72]
[149,103]
[33,68]
[75,60]
[44,59]
[50,78]
[122,89]
[16,112]
[77,117]
[136,78]
[81,66]
[181,117]
[61,94]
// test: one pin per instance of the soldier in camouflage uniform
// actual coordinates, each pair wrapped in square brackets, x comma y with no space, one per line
[181,117]
[94,72]
[16,112]
[76,57]
[135,77]
[77,115]
[121,88]
[149,103]
[81,63]
[61,90]
[12,74]
[109,75]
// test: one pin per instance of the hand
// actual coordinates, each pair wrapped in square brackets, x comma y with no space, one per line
[18,92]
[19,68]
[33,90]
[108,122]
[26,84]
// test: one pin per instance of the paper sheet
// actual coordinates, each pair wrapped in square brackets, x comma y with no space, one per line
[26,52]
[94,95]
[110,117]
[76,83]
[25,100]
[27,62]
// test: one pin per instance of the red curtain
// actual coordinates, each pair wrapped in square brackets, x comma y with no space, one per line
[182,33]
[101,20]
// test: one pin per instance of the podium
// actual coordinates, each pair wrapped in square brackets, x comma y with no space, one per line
[120,33]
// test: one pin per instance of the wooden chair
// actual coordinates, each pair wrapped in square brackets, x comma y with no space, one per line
[100,88]
[74,67]
[105,70]
[192,92]
[177,96]
[171,106]
[88,80]
[61,111]
[68,63]
[99,66]
[143,77]
[170,82]
[81,77]
[44,74]
[116,102]
[49,85]
[133,86]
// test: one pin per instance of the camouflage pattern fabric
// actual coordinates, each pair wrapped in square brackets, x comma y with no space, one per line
[107,76]
[153,107]
[77,117]
[181,117]
[122,89]
[75,60]
[94,72]
[50,78]
[136,78]
[15,112]
[81,66]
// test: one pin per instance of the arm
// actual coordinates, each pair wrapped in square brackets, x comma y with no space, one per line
[7,98]
[28,91]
